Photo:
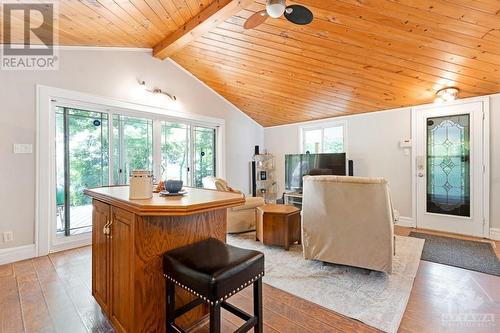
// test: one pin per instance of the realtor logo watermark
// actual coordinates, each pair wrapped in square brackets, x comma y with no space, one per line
[29,33]
[466,306]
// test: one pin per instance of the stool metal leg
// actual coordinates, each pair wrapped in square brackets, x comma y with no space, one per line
[170,306]
[257,305]
[215,318]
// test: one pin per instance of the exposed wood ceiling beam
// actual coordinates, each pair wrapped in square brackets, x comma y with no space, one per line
[216,13]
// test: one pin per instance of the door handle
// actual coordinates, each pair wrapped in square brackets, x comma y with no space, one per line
[109,228]
[105,229]
[421,161]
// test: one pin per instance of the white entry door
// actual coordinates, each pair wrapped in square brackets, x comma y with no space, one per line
[450,167]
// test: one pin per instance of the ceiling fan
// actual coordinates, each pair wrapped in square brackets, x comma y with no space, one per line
[275,8]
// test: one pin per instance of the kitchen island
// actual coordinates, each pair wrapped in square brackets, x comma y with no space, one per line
[128,240]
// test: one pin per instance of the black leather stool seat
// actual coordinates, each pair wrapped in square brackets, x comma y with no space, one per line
[213,270]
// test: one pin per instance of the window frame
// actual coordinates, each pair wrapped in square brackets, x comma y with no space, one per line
[322,127]
[46,100]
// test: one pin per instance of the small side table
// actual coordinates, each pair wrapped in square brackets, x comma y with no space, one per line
[278,225]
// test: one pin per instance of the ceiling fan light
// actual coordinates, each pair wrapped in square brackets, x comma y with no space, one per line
[275,8]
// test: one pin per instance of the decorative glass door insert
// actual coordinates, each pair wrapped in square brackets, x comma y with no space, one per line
[448,165]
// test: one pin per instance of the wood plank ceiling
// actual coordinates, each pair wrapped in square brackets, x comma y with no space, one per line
[356,56]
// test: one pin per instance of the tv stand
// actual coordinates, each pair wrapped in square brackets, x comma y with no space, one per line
[293,198]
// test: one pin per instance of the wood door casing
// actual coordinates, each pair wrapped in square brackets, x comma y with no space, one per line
[100,255]
[121,273]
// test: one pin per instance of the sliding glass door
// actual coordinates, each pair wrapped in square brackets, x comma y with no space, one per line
[132,146]
[204,154]
[187,152]
[175,162]
[81,162]
[102,148]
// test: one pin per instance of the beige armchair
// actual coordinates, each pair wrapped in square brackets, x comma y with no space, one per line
[349,221]
[239,218]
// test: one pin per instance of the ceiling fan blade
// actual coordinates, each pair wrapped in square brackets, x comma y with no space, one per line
[298,14]
[255,20]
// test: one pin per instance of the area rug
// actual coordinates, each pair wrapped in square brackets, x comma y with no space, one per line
[374,298]
[471,255]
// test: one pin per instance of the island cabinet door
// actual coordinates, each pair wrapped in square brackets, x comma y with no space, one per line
[122,270]
[100,254]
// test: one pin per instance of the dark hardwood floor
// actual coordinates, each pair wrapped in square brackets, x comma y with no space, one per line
[52,294]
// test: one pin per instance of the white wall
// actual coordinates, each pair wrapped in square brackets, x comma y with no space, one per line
[373,144]
[495,162]
[109,73]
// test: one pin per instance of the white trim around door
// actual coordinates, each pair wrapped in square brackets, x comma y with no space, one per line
[477,224]
[47,99]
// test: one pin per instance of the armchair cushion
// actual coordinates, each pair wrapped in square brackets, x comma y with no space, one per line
[219,184]
[250,203]
[240,218]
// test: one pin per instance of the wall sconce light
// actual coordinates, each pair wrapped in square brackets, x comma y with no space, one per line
[159,91]
[446,94]
[156,91]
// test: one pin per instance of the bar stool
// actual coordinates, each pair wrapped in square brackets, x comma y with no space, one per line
[213,271]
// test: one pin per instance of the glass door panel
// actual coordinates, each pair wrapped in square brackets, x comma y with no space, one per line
[204,154]
[175,151]
[133,146]
[448,165]
[81,162]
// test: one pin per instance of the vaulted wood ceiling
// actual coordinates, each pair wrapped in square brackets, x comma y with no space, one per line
[356,56]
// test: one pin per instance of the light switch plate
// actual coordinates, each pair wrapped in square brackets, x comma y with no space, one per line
[8,236]
[23,148]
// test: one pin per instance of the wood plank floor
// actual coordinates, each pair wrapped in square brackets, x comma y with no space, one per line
[52,294]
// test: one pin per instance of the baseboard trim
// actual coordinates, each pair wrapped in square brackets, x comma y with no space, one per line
[73,244]
[495,234]
[18,253]
[406,222]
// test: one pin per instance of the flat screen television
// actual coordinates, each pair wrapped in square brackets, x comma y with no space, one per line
[300,165]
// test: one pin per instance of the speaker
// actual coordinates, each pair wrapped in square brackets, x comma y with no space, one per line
[254,181]
[350,168]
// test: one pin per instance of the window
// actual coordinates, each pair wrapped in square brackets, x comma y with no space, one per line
[204,154]
[132,146]
[175,151]
[188,152]
[324,139]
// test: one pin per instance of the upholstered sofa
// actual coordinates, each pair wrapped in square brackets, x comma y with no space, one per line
[240,218]
[349,221]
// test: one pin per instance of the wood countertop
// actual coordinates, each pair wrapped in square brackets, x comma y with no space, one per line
[195,201]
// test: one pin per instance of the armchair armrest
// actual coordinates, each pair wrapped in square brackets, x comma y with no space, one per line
[250,203]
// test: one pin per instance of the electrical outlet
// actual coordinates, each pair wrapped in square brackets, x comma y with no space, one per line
[8,236]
